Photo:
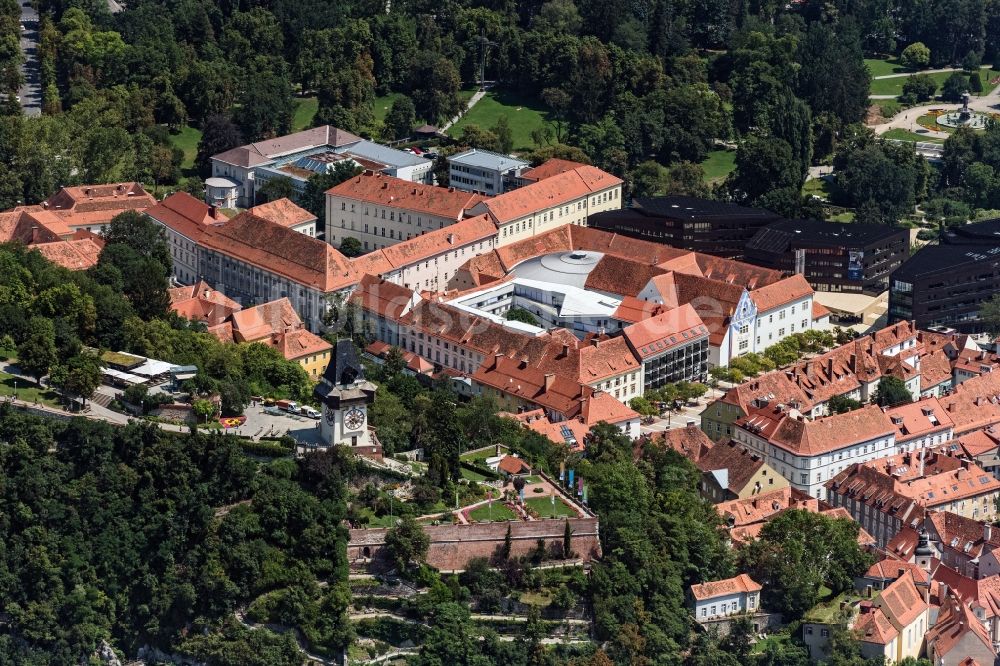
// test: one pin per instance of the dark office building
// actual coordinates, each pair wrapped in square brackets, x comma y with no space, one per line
[943,285]
[853,258]
[712,227]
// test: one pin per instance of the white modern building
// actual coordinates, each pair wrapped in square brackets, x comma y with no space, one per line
[483,171]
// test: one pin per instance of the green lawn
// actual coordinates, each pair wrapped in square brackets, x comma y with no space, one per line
[383,104]
[471,475]
[842,217]
[481,455]
[28,391]
[187,140]
[885,66]
[718,165]
[484,514]
[906,135]
[544,508]
[828,611]
[523,114]
[305,109]
[894,86]
[820,187]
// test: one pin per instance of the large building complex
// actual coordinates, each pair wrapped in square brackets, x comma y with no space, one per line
[944,285]
[712,227]
[380,211]
[855,258]
[238,173]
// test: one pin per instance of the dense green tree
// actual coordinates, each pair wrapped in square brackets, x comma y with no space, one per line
[279,187]
[891,391]
[799,552]
[351,247]
[434,87]
[407,543]
[79,376]
[919,88]
[915,56]
[954,87]
[265,107]
[520,314]
[401,119]
[36,354]
[219,134]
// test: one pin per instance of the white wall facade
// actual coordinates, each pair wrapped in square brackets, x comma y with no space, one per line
[729,604]
[809,473]
[376,226]
[575,211]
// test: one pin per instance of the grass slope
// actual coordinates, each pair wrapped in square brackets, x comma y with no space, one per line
[305,109]
[523,114]
[718,165]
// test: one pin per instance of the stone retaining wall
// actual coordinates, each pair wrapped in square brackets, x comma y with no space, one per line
[452,546]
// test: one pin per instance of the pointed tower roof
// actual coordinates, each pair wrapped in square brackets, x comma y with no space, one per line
[344,378]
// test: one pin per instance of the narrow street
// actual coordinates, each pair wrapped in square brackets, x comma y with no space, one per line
[31,90]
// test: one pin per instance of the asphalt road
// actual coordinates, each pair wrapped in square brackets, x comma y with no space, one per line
[31,91]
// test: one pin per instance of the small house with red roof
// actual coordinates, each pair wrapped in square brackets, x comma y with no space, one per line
[720,598]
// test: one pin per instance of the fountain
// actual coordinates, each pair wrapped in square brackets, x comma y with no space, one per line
[964,117]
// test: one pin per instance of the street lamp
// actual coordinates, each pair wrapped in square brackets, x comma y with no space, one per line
[15,389]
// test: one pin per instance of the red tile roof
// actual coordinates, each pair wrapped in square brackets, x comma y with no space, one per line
[600,406]
[556,190]
[199,302]
[302,259]
[690,441]
[76,255]
[658,334]
[919,419]
[829,433]
[264,320]
[476,229]
[955,622]
[875,627]
[549,168]
[901,602]
[780,293]
[719,588]
[740,463]
[632,309]
[284,212]
[513,465]
[382,298]
[382,190]
[299,343]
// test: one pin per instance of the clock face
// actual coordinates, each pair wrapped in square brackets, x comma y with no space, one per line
[331,416]
[354,419]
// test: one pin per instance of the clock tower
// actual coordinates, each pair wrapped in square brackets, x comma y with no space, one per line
[345,395]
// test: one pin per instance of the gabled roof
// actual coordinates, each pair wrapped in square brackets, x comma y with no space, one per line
[901,602]
[554,191]
[956,622]
[300,258]
[549,168]
[385,299]
[264,320]
[832,432]
[284,212]
[782,292]
[720,588]
[299,343]
[600,406]
[382,190]
[76,255]
[656,335]
[513,465]
[918,419]
[739,462]
[261,152]
[199,302]
[875,627]
[690,441]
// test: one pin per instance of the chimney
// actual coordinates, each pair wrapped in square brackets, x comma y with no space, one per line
[565,351]
[853,362]
[550,377]
[213,212]
[690,425]
[451,239]
[385,185]
[987,531]
[595,342]
[496,360]
[829,367]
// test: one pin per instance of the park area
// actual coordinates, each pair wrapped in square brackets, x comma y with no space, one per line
[524,115]
[543,499]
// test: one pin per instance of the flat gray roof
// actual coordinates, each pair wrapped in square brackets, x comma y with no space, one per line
[485,159]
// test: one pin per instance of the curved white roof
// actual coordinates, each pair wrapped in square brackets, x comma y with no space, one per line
[219,181]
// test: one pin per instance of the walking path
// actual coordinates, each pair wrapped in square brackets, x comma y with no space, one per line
[472,102]
[926,71]
[907,119]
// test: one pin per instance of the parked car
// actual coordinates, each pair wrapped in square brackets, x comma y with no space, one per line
[309,412]
[289,406]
